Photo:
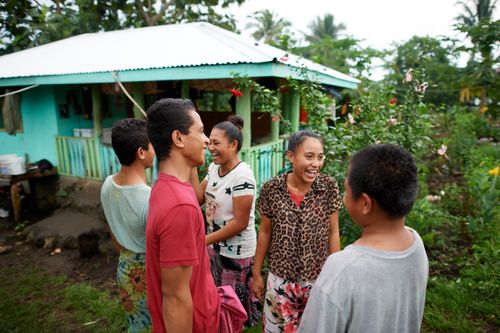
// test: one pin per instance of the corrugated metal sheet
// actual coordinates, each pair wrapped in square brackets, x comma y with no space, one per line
[189,44]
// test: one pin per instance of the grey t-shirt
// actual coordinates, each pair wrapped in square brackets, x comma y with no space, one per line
[126,210]
[361,289]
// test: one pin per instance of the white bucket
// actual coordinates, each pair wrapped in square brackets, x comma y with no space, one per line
[87,132]
[12,165]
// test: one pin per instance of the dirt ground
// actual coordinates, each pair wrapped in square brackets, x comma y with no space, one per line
[99,270]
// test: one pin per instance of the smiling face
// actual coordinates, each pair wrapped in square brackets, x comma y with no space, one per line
[220,148]
[307,160]
[195,142]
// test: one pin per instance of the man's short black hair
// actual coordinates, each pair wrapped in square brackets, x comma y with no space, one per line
[164,117]
[388,174]
[128,135]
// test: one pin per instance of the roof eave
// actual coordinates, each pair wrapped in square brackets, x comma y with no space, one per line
[222,71]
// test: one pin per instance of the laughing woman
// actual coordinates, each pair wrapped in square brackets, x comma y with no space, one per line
[299,229]
[228,192]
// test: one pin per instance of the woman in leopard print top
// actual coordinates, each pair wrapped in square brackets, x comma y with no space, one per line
[299,228]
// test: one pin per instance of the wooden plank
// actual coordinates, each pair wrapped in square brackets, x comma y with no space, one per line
[66,156]
[244,109]
[96,109]
[294,111]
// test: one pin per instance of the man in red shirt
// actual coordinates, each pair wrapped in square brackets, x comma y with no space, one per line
[182,296]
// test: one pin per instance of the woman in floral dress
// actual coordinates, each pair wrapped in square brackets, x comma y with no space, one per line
[299,229]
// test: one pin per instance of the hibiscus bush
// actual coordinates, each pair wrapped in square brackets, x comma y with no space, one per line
[378,115]
[457,210]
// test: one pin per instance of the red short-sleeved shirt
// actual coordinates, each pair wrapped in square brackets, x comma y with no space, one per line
[175,236]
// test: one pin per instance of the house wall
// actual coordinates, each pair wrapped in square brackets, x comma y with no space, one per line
[46,112]
[75,112]
[68,117]
[38,112]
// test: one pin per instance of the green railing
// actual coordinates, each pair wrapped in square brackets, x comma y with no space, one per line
[89,158]
[79,157]
[85,158]
[265,160]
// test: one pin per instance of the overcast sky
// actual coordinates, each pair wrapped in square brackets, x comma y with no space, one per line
[379,22]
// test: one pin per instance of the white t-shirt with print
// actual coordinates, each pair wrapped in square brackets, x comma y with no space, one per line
[219,207]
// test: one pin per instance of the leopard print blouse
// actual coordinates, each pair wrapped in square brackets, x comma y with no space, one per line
[299,238]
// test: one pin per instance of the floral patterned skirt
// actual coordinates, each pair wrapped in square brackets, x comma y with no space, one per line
[131,277]
[284,304]
[237,273]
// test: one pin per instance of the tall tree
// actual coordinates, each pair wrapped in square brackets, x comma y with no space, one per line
[268,26]
[475,11]
[433,59]
[324,27]
[16,21]
[62,19]
[476,22]
[346,55]
[28,23]
[155,12]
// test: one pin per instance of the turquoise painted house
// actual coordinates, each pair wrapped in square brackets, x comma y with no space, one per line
[60,99]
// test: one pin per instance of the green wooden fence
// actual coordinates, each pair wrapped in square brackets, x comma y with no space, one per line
[90,159]
[265,160]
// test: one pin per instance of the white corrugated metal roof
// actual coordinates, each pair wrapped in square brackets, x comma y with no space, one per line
[189,44]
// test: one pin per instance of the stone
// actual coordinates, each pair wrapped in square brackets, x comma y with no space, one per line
[63,229]
[4,249]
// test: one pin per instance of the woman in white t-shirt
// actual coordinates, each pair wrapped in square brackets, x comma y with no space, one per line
[228,192]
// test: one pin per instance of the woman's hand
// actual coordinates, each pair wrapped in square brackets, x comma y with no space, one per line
[263,242]
[258,286]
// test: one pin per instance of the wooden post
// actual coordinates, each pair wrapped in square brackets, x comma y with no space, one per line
[96,109]
[216,101]
[244,109]
[285,106]
[185,89]
[97,119]
[138,96]
[295,110]
[275,124]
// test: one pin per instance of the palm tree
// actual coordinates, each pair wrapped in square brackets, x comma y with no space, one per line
[268,26]
[323,27]
[475,11]
[476,23]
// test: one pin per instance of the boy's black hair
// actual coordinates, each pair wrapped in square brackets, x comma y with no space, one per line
[164,117]
[128,135]
[388,174]
[232,127]
[299,137]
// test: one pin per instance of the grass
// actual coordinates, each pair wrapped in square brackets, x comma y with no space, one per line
[32,300]
[454,306]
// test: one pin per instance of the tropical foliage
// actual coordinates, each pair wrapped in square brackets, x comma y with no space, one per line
[28,23]
[446,115]
[268,27]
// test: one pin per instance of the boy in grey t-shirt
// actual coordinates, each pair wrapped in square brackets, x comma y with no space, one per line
[378,283]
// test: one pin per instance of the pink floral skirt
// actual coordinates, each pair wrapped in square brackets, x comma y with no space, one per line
[285,303]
